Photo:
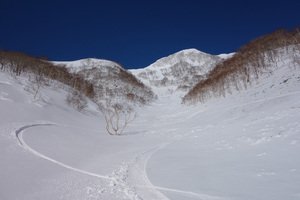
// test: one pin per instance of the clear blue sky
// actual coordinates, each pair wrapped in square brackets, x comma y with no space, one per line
[137,33]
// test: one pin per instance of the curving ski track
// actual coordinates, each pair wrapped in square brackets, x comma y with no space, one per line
[19,135]
[119,178]
[135,170]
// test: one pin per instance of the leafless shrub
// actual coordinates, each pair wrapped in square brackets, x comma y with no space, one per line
[117,117]
[39,81]
[77,100]
[114,81]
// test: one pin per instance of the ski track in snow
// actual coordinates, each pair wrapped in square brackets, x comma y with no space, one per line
[191,194]
[19,135]
[132,171]
[119,178]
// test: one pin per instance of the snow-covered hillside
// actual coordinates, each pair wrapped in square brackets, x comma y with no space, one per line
[89,63]
[242,147]
[111,81]
[178,72]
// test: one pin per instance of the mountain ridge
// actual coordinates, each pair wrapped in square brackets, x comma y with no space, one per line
[111,81]
[178,72]
[171,151]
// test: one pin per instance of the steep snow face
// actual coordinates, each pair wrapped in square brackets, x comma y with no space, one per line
[178,72]
[111,81]
[192,57]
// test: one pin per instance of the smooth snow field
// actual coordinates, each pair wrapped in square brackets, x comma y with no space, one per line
[245,146]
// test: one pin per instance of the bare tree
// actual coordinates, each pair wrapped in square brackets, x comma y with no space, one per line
[39,80]
[77,100]
[35,82]
[117,117]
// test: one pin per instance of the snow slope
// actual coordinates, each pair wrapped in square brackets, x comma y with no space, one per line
[89,63]
[242,147]
[111,81]
[179,72]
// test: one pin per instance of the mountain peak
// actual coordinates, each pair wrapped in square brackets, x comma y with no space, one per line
[191,56]
[177,72]
[191,50]
[186,53]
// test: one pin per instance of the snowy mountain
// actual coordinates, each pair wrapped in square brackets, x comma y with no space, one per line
[111,81]
[249,139]
[241,146]
[178,72]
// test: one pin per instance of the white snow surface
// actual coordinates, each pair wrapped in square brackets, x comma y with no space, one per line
[242,147]
[179,72]
[192,57]
[89,63]
[226,56]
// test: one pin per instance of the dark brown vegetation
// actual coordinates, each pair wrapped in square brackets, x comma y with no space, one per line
[99,83]
[41,72]
[77,100]
[115,82]
[18,63]
[248,63]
